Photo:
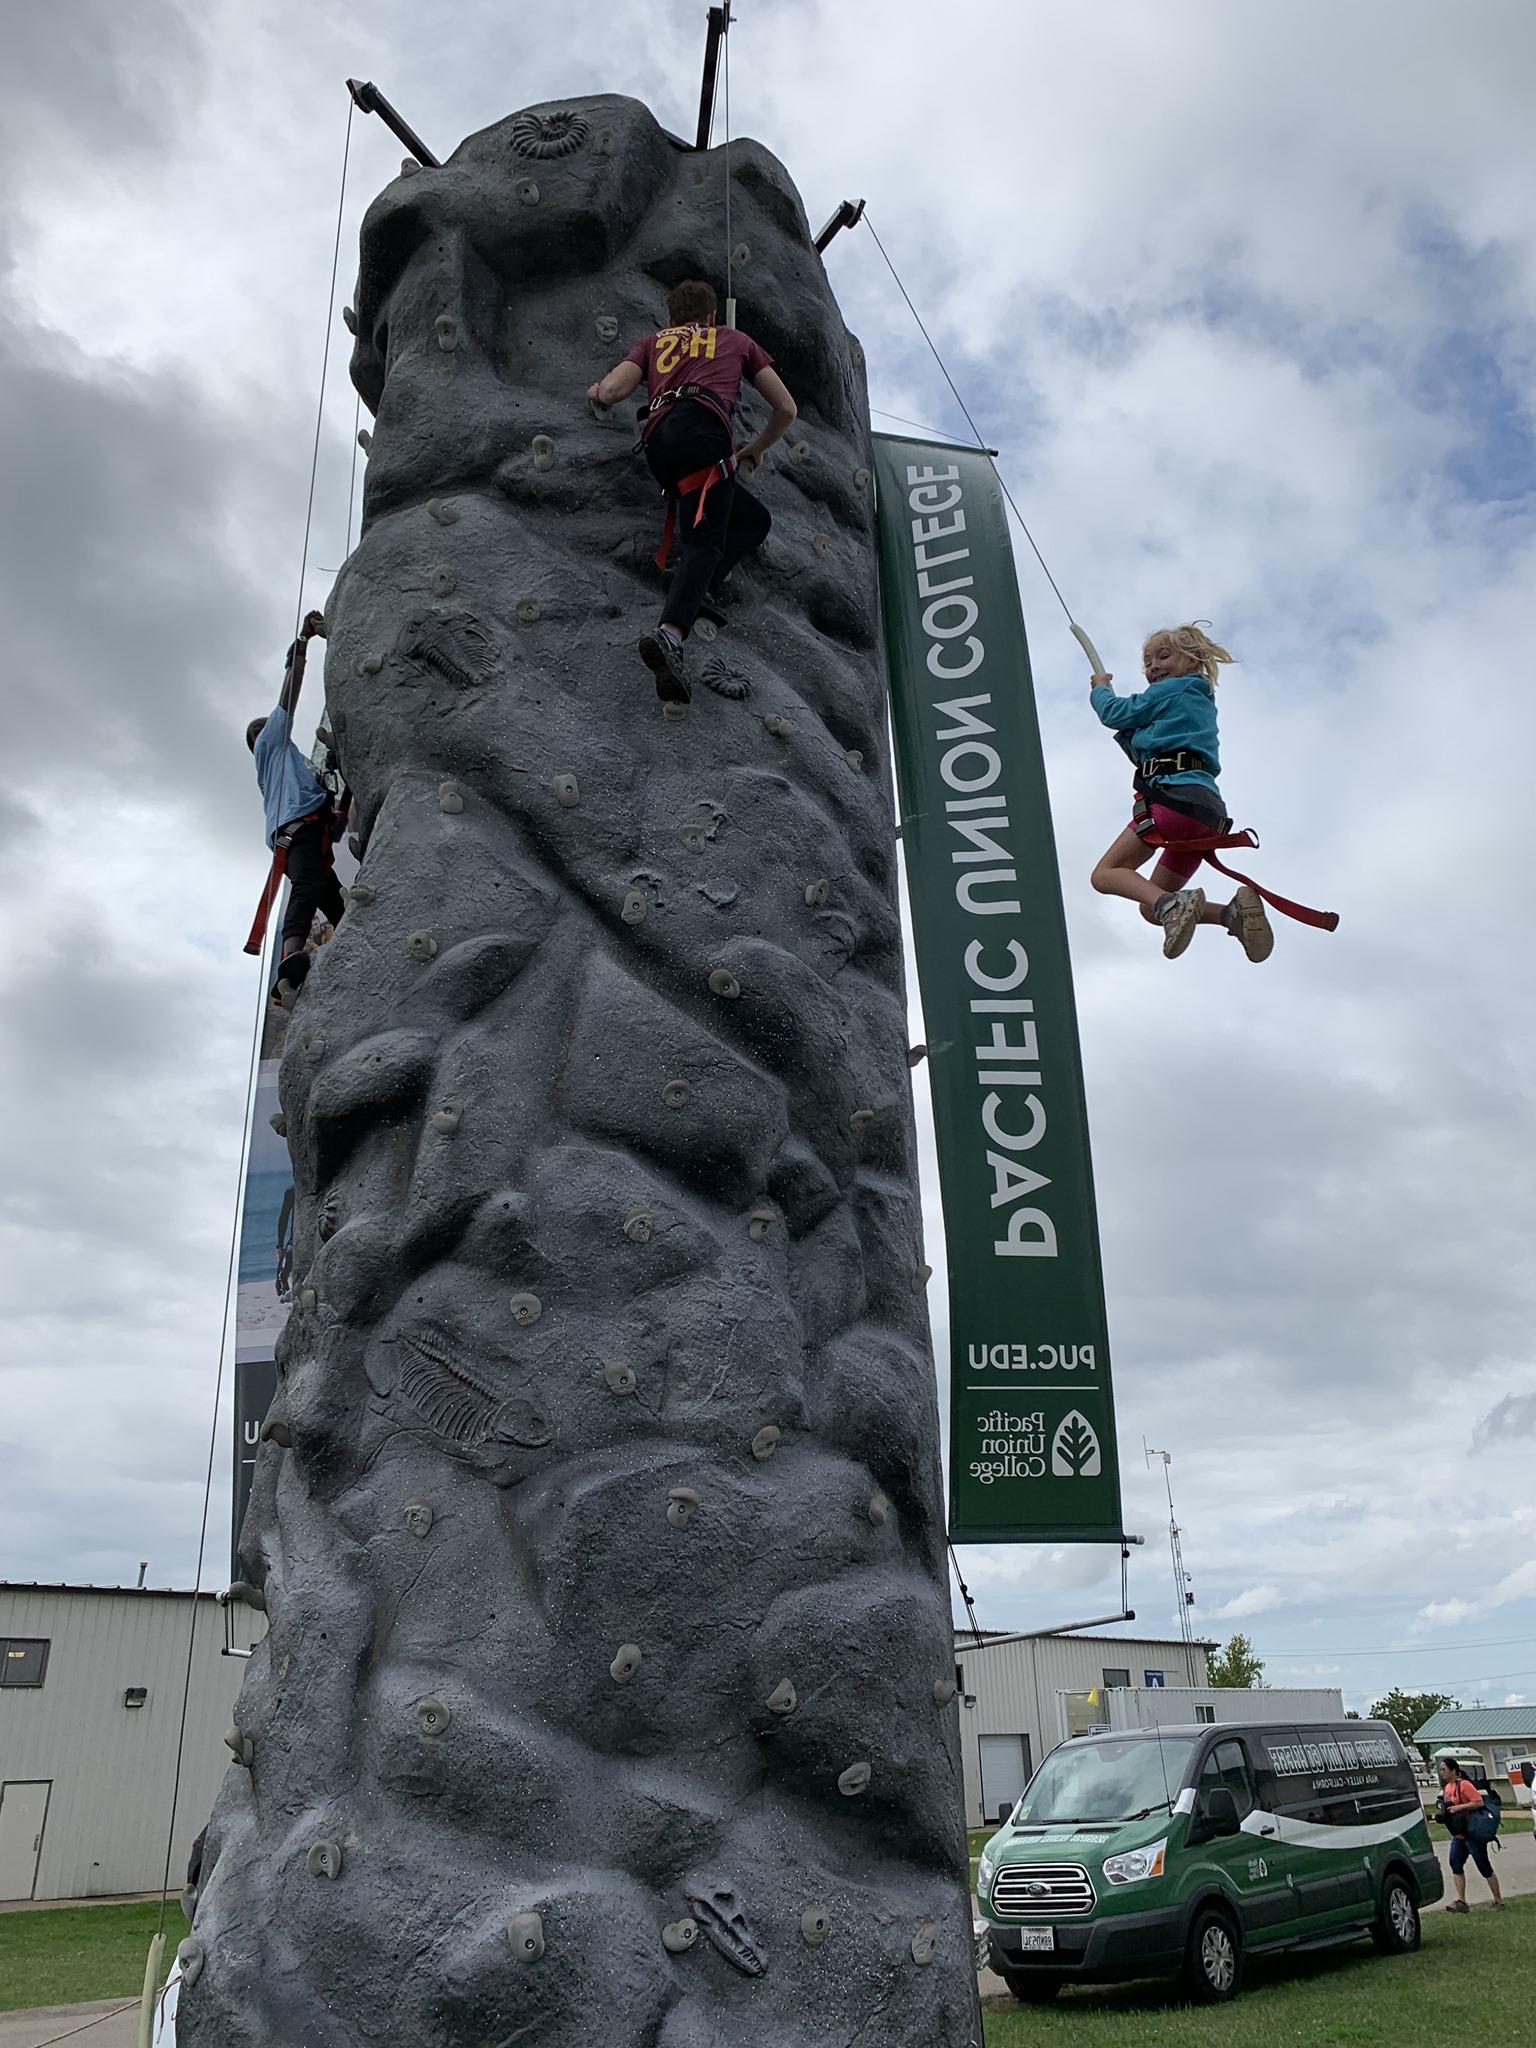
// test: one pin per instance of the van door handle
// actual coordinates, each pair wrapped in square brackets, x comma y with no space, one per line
[1266,1831]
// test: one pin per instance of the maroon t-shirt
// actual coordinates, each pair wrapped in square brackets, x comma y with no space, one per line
[715,358]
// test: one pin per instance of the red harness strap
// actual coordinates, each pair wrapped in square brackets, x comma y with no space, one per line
[274,881]
[1208,847]
[703,481]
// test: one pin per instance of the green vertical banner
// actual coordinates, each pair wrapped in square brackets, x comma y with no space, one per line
[1032,1428]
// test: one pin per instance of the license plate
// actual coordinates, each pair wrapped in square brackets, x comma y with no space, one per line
[1037,1938]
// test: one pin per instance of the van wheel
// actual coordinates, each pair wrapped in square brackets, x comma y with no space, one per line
[1213,1962]
[1396,1929]
[1032,1987]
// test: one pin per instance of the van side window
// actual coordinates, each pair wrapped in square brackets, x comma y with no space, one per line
[1231,1766]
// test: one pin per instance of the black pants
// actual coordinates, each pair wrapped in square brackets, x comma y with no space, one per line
[312,883]
[688,437]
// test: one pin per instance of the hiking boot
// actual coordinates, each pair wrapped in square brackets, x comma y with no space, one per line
[1178,913]
[663,656]
[1458,1906]
[290,975]
[1245,918]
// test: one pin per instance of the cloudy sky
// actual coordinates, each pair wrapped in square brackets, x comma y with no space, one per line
[1247,298]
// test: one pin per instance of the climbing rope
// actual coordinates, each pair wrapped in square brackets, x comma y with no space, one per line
[965,1592]
[1081,637]
[725,53]
[250,1087]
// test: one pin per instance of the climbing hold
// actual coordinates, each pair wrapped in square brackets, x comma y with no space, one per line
[800,451]
[527,191]
[638,1227]
[279,1123]
[275,1431]
[815,1925]
[525,1309]
[240,1747]
[447,332]
[854,758]
[418,1517]
[916,1054]
[721,894]
[625,1664]
[618,1377]
[723,983]
[674,1094]
[693,838]
[766,1442]
[854,1780]
[444,511]
[607,327]
[860,1119]
[861,479]
[189,1960]
[759,1223]
[879,1507]
[365,440]
[742,253]
[525,1931]
[944,1690]
[783,1699]
[681,1502]
[305,1297]
[779,728]
[528,611]
[603,146]
[324,1859]
[823,545]
[924,1275]
[925,1943]
[450,798]
[816,893]
[543,448]
[446,1121]
[444,583]
[409,167]
[349,319]
[567,791]
[634,907]
[421,946]
[706,629]
[679,1936]
[674,714]
[243,1594]
[432,1717]
[369,664]
[361,892]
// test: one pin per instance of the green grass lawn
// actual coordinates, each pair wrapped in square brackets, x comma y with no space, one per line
[65,1956]
[1471,1980]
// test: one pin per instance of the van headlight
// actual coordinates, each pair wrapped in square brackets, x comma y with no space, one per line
[1136,1865]
[986,1870]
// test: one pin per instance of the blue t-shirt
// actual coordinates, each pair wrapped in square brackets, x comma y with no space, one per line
[289,790]
[1175,716]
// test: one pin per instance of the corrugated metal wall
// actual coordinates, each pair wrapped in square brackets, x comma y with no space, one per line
[1016,1682]
[112,1767]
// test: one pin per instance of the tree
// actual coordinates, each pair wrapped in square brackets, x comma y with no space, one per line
[1408,1711]
[1239,1664]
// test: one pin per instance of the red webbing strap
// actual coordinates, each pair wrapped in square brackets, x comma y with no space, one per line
[274,882]
[1208,847]
[702,481]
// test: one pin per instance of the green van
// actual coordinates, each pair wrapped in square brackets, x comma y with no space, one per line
[1181,1851]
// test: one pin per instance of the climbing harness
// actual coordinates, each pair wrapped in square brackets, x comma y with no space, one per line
[703,481]
[274,881]
[1209,844]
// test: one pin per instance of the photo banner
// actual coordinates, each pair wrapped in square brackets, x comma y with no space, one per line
[1032,1431]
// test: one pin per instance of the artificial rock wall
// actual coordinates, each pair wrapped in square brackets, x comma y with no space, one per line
[608,1694]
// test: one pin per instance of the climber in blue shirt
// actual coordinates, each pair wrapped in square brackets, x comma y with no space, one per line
[298,816]
[1169,731]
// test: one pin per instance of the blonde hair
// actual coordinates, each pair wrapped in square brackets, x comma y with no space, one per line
[1192,641]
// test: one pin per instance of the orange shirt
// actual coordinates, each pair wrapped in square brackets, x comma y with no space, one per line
[1461,1792]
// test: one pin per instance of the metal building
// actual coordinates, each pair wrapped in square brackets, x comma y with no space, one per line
[91,1685]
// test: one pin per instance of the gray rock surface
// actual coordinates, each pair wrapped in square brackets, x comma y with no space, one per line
[605,1559]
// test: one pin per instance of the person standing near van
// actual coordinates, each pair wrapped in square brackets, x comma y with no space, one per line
[1462,1806]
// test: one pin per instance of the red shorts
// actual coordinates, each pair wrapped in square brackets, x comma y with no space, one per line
[1171,824]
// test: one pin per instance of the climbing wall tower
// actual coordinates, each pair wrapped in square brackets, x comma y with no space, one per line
[608,1695]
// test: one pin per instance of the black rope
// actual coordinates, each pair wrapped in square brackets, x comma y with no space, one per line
[725,39]
[325,359]
[965,1594]
[980,443]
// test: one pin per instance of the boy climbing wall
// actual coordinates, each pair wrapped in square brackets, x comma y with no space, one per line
[298,818]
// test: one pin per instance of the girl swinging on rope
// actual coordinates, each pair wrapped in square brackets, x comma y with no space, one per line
[1169,731]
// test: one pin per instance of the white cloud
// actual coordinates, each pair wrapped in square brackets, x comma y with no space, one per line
[1254,1600]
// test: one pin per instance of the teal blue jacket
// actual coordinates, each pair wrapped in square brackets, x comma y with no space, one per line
[1177,716]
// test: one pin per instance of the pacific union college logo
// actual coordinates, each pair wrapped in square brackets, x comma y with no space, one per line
[1075,1450]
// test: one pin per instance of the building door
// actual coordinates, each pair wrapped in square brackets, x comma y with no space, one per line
[1005,1772]
[23,1810]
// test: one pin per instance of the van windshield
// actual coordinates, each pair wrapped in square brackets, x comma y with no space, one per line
[1106,1780]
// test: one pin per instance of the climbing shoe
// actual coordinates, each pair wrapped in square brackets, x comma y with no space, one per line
[1245,918]
[290,975]
[1178,913]
[663,656]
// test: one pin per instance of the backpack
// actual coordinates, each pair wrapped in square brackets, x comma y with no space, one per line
[1483,1821]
